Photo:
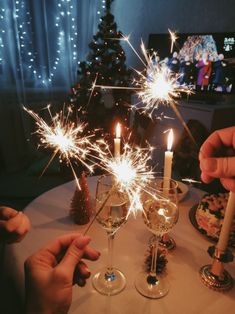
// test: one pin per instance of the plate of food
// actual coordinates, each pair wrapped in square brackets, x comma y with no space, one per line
[207,216]
[182,190]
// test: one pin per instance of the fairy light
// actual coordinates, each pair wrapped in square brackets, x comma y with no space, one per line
[2,35]
[30,64]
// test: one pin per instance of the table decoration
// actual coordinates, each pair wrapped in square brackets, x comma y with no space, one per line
[80,207]
[214,275]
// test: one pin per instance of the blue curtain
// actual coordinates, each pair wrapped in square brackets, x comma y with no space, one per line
[41,44]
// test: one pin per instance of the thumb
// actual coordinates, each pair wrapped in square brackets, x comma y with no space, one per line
[223,167]
[74,253]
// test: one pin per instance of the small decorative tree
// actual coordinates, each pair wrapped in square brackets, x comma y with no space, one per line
[80,209]
[105,65]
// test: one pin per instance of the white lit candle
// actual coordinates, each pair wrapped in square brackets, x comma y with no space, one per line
[117,141]
[168,159]
[227,223]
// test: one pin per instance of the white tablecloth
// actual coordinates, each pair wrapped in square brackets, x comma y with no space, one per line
[49,217]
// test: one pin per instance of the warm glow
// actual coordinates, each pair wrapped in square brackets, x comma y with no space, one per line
[118,130]
[124,171]
[170,140]
[160,87]
[173,35]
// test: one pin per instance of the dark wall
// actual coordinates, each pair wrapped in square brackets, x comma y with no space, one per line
[142,17]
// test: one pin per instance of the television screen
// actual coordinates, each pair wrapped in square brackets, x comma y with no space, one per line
[205,62]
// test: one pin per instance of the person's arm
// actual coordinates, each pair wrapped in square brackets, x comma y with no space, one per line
[51,272]
[14,225]
[217,158]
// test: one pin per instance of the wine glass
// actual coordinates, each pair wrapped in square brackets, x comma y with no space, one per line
[111,212]
[160,214]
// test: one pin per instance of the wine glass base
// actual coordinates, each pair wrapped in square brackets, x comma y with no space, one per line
[109,284]
[150,288]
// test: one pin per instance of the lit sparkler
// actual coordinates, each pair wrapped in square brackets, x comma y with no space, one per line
[155,86]
[131,170]
[160,87]
[173,38]
[64,137]
[190,180]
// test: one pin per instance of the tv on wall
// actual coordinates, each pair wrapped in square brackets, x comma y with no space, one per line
[204,61]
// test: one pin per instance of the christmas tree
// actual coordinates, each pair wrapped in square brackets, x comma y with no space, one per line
[80,210]
[106,65]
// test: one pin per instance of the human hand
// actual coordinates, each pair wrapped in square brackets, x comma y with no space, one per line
[217,158]
[51,272]
[14,225]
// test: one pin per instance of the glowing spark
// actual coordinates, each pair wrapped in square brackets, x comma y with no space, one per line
[156,85]
[64,137]
[160,87]
[130,170]
[190,181]
[173,38]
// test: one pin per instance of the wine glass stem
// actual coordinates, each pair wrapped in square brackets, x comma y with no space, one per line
[110,253]
[153,271]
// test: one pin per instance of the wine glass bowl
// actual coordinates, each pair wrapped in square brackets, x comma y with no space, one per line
[111,210]
[160,214]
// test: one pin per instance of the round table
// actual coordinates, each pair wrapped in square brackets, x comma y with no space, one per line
[49,215]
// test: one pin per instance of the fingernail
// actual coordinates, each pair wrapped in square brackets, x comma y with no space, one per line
[209,164]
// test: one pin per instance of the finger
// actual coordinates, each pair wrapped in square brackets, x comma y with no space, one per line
[220,138]
[223,167]
[74,253]
[217,140]
[81,282]
[22,228]
[14,238]
[61,243]
[228,184]
[91,254]
[54,252]
[205,178]
[12,224]
[7,212]
[81,271]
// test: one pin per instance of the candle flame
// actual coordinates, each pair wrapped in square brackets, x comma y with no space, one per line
[118,130]
[170,140]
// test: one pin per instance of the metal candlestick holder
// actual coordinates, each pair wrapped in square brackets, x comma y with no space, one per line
[214,275]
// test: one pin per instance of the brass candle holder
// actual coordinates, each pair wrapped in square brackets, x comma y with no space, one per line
[214,276]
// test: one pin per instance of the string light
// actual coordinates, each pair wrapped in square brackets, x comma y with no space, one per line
[30,63]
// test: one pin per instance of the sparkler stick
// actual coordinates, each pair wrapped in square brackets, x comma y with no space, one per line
[98,211]
[173,106]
